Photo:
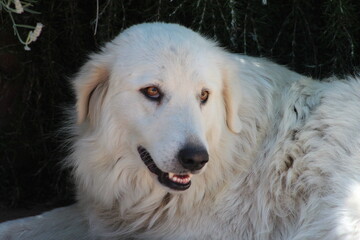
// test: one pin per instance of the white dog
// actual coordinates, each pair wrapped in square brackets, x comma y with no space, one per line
[178,139]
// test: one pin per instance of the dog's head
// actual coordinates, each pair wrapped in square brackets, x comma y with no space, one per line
[159,95]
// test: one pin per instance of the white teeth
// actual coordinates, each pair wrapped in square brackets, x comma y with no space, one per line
[179,178]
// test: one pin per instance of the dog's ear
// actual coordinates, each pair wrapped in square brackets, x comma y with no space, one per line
[232,96]
[90,84]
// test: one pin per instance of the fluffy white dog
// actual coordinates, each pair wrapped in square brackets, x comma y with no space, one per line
[178,139]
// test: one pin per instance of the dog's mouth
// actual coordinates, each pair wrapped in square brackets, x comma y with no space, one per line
[179,182]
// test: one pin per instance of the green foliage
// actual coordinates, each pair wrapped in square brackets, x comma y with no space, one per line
[317,38]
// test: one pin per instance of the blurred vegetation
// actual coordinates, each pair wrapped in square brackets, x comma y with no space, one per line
[317,38]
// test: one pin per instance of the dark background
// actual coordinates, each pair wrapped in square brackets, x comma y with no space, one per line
[316,38]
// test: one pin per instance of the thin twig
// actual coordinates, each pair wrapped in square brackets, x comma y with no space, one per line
[97,17]
[202,16]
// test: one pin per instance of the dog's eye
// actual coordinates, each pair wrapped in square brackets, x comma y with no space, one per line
[152,92]
[204,96]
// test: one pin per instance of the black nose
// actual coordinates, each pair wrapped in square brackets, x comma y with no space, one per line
[193,157]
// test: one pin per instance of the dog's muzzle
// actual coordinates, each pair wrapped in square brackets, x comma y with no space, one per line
[191,158]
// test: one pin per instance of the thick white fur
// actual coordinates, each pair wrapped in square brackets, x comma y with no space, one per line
[284,149]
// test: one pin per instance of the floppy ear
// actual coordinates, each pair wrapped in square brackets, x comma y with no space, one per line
[232,97]
[91,84]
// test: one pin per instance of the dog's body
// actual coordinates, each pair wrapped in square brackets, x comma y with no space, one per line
[269,154]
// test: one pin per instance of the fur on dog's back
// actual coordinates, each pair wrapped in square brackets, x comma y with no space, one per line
[284,149]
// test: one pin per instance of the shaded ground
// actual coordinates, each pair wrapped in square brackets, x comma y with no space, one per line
[7,214]
[11,214]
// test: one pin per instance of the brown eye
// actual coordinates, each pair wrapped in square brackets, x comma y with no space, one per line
[204,96]
[152,93]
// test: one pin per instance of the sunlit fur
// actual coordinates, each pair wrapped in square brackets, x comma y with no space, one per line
[284,149]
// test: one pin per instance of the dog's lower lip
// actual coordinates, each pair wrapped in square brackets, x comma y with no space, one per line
[165,180]
[174,181]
